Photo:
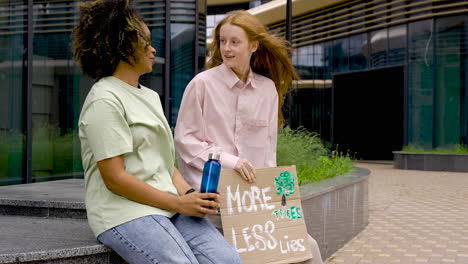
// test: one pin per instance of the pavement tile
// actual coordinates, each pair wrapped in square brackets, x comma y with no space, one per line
[421,260]
[462,260]
[447,260]
[414,217]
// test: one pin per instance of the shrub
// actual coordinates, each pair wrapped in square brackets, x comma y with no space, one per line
[313,161]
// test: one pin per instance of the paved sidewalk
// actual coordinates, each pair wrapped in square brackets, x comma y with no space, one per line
[414,217]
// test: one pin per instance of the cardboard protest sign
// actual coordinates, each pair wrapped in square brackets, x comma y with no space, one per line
[264,221]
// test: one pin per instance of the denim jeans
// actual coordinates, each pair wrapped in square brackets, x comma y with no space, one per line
[180,239]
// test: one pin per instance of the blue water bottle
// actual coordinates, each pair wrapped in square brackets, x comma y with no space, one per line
[211,172]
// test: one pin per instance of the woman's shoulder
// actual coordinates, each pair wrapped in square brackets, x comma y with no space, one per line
[102,89]
[203,79]
[108,90]
[208,74]
[261,80]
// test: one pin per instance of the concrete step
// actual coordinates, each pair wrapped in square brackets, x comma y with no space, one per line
[50,240]
[61,199]
[46,223]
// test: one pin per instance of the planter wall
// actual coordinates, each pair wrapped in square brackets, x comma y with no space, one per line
[336,209]
[430,161]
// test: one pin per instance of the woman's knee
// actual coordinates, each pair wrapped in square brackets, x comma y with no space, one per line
[228,255]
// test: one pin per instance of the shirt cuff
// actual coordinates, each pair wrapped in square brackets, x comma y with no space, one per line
[228,161]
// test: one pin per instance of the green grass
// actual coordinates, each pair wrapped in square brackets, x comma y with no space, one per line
[449,149]
[313,161]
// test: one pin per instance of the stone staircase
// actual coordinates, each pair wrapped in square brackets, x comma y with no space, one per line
[46,223]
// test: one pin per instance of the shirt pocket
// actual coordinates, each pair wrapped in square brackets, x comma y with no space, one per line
[256,133]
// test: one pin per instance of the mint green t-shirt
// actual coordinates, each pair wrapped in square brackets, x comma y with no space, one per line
[117,119]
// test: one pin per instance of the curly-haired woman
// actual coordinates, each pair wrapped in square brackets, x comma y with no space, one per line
[233,107]
[137,202]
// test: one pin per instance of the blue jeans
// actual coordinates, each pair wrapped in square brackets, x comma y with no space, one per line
[180,239]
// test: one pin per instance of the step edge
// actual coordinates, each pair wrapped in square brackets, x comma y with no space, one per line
[54,254]
[61,204]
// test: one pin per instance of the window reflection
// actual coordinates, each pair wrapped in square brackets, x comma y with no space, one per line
[420,84]
[59,88]
[379,46]
[12,139]
[341,55]
[55,110]
[383,35]
[11,118]
[396,45]
[451,81]
[357,51]
[182,63]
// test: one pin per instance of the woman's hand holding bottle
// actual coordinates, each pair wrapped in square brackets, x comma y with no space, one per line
[198,204]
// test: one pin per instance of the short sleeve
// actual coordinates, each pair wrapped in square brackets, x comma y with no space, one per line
[106,130]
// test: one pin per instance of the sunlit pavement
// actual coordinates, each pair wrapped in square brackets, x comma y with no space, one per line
[414,217]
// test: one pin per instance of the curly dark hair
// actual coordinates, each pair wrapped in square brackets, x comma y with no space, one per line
[108,31]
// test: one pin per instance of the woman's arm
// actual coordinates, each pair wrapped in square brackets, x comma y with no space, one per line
[270,158]
[192,142]
[179,182]
[120,182]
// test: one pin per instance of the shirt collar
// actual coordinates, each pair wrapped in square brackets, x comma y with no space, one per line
[232,79]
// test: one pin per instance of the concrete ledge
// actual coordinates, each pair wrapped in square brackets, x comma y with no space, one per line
[336,209]
[50,240]
[61,199]
[42,211]
[430,161]
[45,222]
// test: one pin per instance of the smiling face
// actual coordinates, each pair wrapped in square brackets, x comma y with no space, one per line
[235,48]
[145,53]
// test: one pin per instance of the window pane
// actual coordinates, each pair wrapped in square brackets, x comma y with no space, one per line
[56,94]
[397,45]
[357,51]
[55,109]
[379,46]
[318,61]
[182,63]
[420,84]
[340,55]
[328,59]
[450,76]
[304,62]
[11,93]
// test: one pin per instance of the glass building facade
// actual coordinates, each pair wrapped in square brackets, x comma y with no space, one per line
[42,88]
[379,75]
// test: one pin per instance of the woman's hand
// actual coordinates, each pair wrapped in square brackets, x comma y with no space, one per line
[198,204]
[246,170]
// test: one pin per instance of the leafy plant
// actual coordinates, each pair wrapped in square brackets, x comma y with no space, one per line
[313,161]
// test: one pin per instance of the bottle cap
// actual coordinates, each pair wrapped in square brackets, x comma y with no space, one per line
[213,156]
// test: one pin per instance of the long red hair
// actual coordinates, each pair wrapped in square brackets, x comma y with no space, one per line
[270,59]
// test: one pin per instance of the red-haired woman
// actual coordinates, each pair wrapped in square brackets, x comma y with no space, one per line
[233,107]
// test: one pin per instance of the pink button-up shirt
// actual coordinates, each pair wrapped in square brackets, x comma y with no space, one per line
[219,113]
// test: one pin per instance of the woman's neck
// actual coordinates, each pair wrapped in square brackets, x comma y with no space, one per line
[125,73]
[243,77]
